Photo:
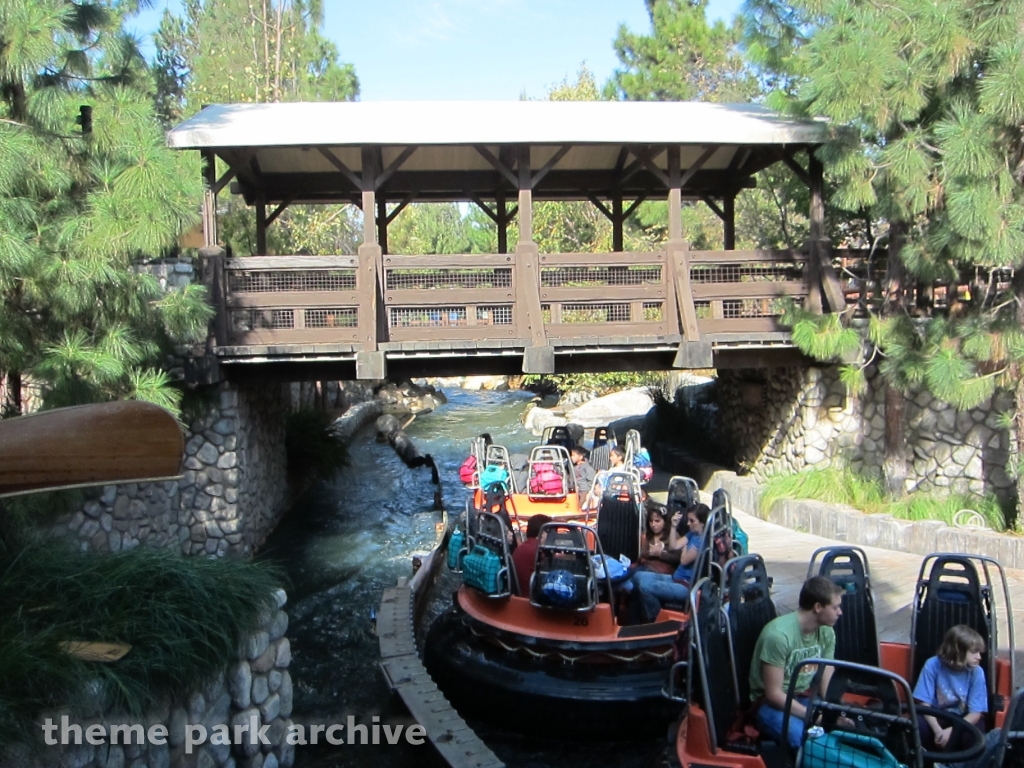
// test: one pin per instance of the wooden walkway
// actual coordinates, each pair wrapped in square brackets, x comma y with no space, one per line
[454,739]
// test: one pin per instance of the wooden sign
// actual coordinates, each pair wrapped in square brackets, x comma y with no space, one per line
[87,445]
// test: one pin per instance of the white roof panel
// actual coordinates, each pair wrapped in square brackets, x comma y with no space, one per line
[368,123]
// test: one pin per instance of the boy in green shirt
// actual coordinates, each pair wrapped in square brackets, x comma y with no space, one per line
[784,643]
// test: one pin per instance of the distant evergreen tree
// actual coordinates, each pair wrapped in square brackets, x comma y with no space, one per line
[226,51]
[87,187]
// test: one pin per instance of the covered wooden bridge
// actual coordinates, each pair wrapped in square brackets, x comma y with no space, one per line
[518,310]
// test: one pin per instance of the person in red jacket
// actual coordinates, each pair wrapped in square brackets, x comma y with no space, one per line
[525,556]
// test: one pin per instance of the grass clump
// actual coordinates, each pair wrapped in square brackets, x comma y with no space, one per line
[842,486]
[184,619]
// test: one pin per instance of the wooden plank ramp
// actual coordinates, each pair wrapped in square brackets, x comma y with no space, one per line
[405,674]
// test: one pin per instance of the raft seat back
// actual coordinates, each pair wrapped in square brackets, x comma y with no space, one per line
[619,517]
[721,498]
[551,473]
[602,436]
[951,594]
[682,494]
[1010,751]
[563,575]
[559,436]
[890,716]
[716,548]
[489,537]
[497,455]
[631,445]
[715,691]
[856,631]
[750,609]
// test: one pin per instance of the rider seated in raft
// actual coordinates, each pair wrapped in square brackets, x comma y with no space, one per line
[653,589]
[525,556]
[618,462]
[783,643]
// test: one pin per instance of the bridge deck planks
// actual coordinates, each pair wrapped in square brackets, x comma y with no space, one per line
[454,740]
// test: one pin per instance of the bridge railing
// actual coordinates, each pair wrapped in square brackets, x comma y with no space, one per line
[744,292]
[292,299]
[583,298]
[450,297]
[588,296]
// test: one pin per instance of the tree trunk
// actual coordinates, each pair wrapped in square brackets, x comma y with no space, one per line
[12,404]
[894,462]
[1017,454]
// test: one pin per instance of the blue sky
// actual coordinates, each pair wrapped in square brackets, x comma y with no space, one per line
[468,49]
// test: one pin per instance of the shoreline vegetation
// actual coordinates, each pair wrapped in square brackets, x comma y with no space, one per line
[842,486]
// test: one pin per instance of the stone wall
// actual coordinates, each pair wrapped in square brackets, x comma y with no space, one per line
[783,420]
[258,688]
[231,495]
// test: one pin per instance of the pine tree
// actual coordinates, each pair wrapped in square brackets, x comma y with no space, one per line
[224,51]
[928,100]
[87,188]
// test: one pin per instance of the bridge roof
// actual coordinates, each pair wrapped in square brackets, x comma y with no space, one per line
[313,151]
[449,123]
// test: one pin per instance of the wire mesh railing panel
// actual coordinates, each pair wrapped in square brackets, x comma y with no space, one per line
[423,317]
[596,313]
[767,307]
[268,281]
[654,311]
[243,320]
[746,273]
[597,277]
[335,317]
[431,279]
[703,309]
[500,314]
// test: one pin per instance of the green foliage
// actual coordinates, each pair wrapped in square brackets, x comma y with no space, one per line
[80,208]
[222,51]
[183,617]
[602,383]
[684,58]
[840,486]
[313,452]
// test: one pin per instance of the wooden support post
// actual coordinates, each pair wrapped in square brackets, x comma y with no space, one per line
[382,223]
[675,196]
[261,225]
[209,161]
[525,196]
[617,221]
[211,268]
[817,185]
[826,292]
[538,357]
[502,223]
[729,221]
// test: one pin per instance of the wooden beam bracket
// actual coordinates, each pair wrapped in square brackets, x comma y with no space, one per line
[347,172]
[499,166]
[563,150]
[395,164]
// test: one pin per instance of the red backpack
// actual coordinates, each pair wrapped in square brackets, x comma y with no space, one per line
[467,472]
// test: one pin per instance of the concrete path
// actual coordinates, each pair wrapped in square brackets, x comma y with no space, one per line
[893,578]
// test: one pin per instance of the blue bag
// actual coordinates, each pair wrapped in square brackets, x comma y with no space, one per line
[455,545]
[559,587]
[841,749]
[494,473]
[739,536]
[481,569]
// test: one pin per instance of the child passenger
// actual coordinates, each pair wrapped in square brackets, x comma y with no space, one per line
[953,680]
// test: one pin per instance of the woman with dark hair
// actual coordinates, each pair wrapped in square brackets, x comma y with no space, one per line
[656,555]
[654,589]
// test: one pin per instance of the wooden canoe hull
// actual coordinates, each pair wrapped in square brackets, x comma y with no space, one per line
[88,445]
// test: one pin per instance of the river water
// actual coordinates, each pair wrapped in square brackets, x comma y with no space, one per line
[344,542]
